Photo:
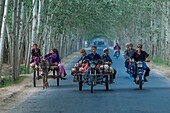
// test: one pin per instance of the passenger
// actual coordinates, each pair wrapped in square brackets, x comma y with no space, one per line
[54,60]
[128,53]
[81,66]
[81,62]
[107,64]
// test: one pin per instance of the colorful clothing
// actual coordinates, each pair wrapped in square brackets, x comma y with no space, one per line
[54,60]
[36,53]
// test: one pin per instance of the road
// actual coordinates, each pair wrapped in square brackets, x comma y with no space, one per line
[123,96]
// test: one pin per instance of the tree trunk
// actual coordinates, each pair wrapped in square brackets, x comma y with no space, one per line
[2,3]
[9,43]
[3,35]
[34,23]
[39,17]
[14,44]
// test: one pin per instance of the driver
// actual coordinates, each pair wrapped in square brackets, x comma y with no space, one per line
[141,55]
[36,53]
[117,48]
[107,63]
[93,55]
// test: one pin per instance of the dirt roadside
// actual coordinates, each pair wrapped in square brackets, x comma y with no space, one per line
[160,69]
[14,95]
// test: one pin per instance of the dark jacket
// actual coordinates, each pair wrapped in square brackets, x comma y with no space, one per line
[36,53]
[106,58]
[117,47]
[93,57]
[141,57]
[83,58]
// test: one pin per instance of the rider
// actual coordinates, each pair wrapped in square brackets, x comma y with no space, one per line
[54,60]
[141,55]
[93,57]
[107,63]
[81,61]
[127,47]
[128,53]
[117,48]
[36,53]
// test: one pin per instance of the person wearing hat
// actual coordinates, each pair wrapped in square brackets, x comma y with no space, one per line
[128,53]
[107,63]
[141,55]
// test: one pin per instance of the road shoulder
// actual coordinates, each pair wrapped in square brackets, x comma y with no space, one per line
[14,95]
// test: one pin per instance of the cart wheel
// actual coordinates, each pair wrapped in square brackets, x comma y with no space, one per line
[44,81]
[58,79]
[34,78]
[53,73]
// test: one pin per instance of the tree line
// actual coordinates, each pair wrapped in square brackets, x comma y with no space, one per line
[66,24]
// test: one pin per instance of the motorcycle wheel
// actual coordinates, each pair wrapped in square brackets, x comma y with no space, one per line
[92,86]
[107,83]
[80,83]
[140,82]
[117,57]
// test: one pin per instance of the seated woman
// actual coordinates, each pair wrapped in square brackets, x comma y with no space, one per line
[35,56]
[54,60]
[107,62]
[81,66]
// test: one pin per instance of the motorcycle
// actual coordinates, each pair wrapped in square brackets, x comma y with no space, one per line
[117,54]
[137,68]
[140,72]
[94,76]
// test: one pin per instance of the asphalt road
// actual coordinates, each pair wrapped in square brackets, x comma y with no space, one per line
[123,96]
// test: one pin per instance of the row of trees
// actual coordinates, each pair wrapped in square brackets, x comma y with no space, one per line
[147,21]
[65,24]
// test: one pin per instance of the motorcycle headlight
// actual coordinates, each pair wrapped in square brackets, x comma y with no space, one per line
[92,65]
[140,64]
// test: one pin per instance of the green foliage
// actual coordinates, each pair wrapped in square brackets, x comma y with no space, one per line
[92,17]
[159,61]
[24,70]
[9,82]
